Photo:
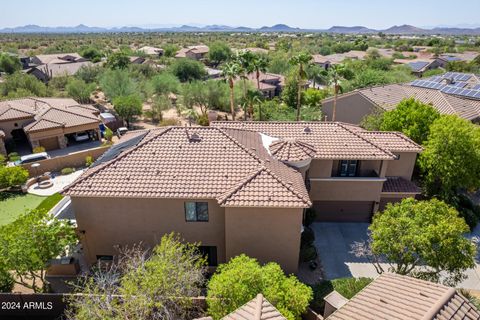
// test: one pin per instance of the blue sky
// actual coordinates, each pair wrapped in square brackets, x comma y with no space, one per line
[252,13]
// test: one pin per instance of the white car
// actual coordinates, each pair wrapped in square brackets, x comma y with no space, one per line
[81,136]
[121,131]
[34,157]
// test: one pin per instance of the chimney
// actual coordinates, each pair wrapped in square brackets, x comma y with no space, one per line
[333,302]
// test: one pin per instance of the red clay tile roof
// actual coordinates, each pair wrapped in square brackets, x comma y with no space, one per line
[258,308]
[331,140]
[393,141]
[197,163]
[292,150]
[400,185]
[397,297]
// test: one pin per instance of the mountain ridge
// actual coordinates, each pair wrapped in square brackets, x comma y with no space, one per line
[401,30]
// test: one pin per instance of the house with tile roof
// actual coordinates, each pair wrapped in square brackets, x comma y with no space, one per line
[397,297]
[198,52]
[45,122]
[444,93]
[238,187]
[271,84]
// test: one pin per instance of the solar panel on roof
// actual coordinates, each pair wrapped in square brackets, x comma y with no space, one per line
[457,76]
[463,92]
[418,65]
[118,148]
[427,84]
[476,87]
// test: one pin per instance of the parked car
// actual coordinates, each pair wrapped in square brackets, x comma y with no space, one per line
[81,136]
[121,131]
[34,157]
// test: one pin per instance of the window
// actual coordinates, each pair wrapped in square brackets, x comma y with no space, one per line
[210,252]
[348,168]
[196,211]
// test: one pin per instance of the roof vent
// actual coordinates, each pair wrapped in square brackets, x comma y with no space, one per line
[307,130]
[195,138]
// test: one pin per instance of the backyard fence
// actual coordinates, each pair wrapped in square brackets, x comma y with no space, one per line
[72,160]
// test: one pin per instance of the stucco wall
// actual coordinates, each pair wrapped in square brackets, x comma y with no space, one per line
[402,167]
[108,222]
[264,233]
[8,126]
[320,168]
[351,108]
[346,189]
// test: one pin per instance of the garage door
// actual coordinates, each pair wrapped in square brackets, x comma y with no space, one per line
[343,211]
[50,143]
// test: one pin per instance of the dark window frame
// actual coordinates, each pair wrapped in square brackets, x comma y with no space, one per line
[197,205]
[347,173]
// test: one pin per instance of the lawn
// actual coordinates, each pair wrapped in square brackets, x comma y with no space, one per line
[13,204]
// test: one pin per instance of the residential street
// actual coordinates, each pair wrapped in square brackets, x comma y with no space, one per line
[334,240]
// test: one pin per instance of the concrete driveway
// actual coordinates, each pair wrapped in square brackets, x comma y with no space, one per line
[334,240]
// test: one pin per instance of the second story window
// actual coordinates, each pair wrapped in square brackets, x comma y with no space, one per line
[196,211]
[348,168]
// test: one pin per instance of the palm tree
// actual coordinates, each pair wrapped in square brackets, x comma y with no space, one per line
[259,64]
[230,71]
[253,97]
[335,75]
[301,60]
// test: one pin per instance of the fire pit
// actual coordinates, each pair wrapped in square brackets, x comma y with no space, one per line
[45,184]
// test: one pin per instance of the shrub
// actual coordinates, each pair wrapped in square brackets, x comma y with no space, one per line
[66,171]
[6,281]
[310,216]
[2,160]
[38,149]
[308,236]
[168,122]
[308,253]
[89,161]
[12,176]
[13,156]
[203,120]
[108,135]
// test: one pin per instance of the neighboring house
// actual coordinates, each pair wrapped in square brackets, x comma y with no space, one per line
[337,58]
[213,73]
[271,85]
[46,122]
[46,72]
[193,52]
[421,65]
[466,56]
[151,51]
[57,58]
[450,93]
[258,308]
[137,60]
[393,296]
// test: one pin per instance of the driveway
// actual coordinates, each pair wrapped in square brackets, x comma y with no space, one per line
[334,240]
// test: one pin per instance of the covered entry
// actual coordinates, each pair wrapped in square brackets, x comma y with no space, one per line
[343,211]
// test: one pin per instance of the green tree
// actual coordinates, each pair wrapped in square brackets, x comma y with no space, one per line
[30,242]
[301,61]
[242,278]
[188,69]
[116,83]
[152,285]
[165,83]
[160,103]
[412,117]
[118,60]
[9,64]
[12,176]
[219,52]
[230,71]
[373,121]
[91,53]
[428,243]
[451,159]
[79,90]
[259,65]
[23,85]
[169,50]
[128,107]
[334,75]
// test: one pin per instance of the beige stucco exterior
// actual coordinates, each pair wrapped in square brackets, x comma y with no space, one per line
[351,108]
[10,125]
[269,234]
[403,167]
[265,234]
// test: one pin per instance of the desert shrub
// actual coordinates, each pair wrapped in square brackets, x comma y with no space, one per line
[108,135]
[168,122]
[13,156]
[6,281]
[89,161]
[203,120]
[38,149]
[66,171]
